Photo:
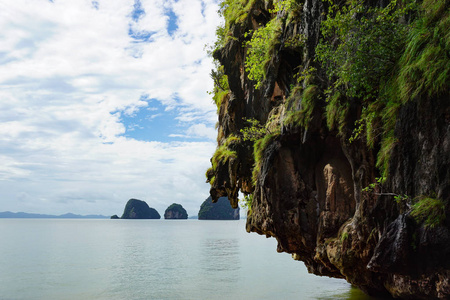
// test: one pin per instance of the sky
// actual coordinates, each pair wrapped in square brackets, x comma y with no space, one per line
[105,100]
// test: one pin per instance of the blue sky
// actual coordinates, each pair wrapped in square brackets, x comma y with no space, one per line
[105,100]
[156,122]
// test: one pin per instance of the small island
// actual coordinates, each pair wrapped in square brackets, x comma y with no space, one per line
[175,212]
[221,210]
[138,209]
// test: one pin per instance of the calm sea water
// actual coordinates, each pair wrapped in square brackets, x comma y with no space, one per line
[151,259]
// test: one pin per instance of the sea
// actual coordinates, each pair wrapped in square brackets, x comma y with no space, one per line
[152,259]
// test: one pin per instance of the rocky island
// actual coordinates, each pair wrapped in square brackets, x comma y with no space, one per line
[220,210]
[175,211]
[138,209]
[334,122]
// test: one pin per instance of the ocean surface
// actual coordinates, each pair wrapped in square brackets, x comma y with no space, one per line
[151,259]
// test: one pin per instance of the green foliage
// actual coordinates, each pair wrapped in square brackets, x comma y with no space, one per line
[294,96]
[246,203]
[295,41]
[383,155]
[309,97]
[234,11]
[401,198]
[291,9]
[359,128]
[261,136]
[293,118]
[425,67]
[336,111]
[379,59]
[375,188]
[258,153]
[429,211]
[371,187]
[370,41]
[260,50]
[372,56]
[307,75]
[285,5]
[422,70]
[221,89]
[210,175]
[254,131]
[267,38]
[224,153]
[344,236]
[273,124]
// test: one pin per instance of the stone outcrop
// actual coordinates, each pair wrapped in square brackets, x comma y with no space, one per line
[221,210]
[319,192]
[138,209]
[175,211]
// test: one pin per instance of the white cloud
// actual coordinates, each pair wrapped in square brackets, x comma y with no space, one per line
[201,130]
[69,71]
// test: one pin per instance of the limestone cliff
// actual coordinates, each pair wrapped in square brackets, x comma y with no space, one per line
[175,211]
[221,210]
[334,121]
[138,209]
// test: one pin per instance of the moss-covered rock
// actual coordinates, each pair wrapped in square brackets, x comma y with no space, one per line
[138,209]
[349,95]
[175,211]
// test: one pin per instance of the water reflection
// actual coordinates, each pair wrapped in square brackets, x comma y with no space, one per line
[110,259]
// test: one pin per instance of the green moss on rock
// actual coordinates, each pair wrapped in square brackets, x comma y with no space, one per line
[429,211]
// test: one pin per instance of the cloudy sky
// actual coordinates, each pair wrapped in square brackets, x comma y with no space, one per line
[105,100]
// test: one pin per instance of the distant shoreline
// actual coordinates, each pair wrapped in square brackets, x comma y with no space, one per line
[23,215]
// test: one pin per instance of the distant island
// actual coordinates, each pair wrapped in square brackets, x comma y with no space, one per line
[138,209]
[23,215]
[221,210]
[175,212]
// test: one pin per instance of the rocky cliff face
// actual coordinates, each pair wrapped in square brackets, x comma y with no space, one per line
[175,211]
[138,209]
[221,210]
[354,183]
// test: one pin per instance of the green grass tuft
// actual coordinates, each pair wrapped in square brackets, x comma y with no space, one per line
[258,153]
[425,67]
[308,98]
[429,211]
[224,153]
[336,112]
